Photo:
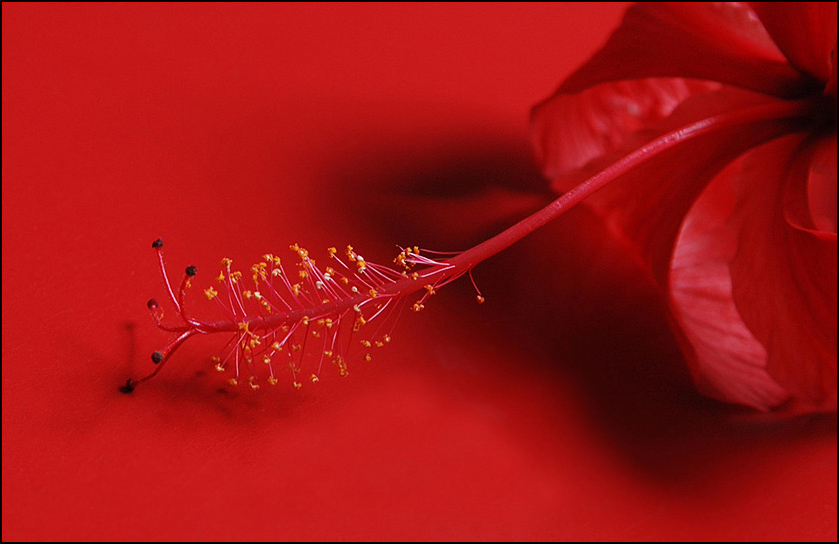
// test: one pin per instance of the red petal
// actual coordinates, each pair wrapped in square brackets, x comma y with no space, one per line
[784,275]
[647,205]
[715,41]
[726,361]
[805,32]
[572,129]
[821,186]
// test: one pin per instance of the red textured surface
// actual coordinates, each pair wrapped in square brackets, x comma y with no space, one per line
[558,410]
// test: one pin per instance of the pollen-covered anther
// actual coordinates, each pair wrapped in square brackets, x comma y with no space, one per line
[219,367]
[276,346]
[252,383]
[314,378]
[272,380]
[430,289]
[386,338]
[417,307]
[225,262]
[368,357]
[299,250]
[328,353]
[266,359]
[373,293]
[480,299]
[233,381]
[297,385]
[414,275]
[295,289]
[210,293]
[379,343]
[366,343]
[359,322]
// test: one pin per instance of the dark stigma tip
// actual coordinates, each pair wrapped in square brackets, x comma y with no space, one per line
[128,387]
[191,270]
[157,243]
[156,357]
[152,304]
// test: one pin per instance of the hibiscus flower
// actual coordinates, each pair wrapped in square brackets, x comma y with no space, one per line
[737,225]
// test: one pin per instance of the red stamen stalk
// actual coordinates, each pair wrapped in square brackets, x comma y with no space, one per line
[327,298]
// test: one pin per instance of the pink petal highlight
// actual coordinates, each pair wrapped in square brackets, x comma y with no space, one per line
[725,359]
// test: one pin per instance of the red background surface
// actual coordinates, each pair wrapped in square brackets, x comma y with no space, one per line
[557,410]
